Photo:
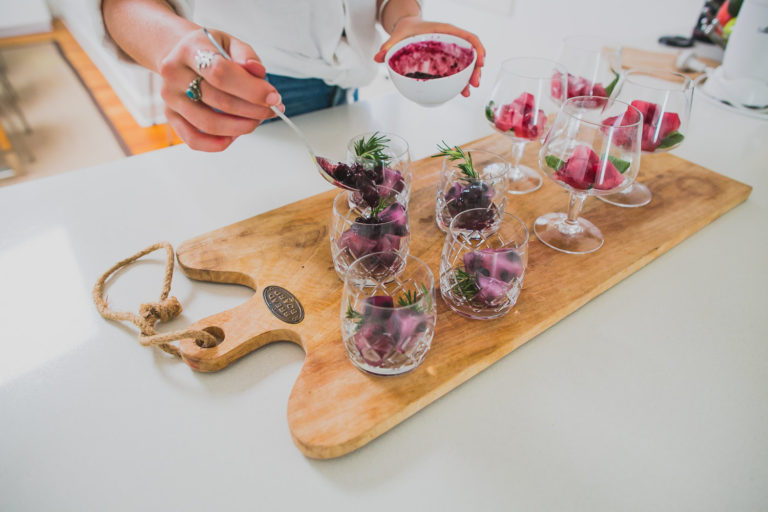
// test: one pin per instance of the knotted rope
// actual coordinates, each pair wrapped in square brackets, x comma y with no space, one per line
[164,310]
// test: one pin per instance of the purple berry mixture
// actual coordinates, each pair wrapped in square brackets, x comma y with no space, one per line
[467,191]
[369,181]
[390,332]
[381,229]
[488,278]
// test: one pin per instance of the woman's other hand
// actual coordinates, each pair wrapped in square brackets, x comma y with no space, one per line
[413,25]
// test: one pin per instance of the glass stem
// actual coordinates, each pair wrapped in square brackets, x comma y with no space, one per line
[517,154]
[570,225]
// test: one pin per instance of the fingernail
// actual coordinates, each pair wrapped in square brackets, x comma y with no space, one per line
[273,98]
[255,67]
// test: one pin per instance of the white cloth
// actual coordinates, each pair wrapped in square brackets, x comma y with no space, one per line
[334,40]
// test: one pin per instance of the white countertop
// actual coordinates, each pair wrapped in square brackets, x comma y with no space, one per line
[654,396]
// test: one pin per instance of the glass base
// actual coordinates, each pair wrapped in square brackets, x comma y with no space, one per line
[523,180]
[581,237]
[634,196]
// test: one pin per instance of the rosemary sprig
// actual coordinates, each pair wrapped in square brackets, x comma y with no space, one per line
[383,203]
[373,148]
[456,153]
[353,315]
[411,297]
[465,284]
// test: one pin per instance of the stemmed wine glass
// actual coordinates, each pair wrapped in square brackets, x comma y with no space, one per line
[664,98]
[519,107]
[593,67]
[587,156]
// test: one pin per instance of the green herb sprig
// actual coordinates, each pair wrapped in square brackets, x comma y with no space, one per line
[383,203]
[671,139]
[456,153]
[411,297]
[612,85]
[353,315]
[619,164]
[466,286]
[373,148]
[553,162]
[489,111]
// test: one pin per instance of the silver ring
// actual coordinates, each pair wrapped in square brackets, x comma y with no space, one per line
[204,59]
[193,91]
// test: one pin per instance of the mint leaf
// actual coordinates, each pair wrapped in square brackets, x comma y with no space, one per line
[618,163]
[671,140]
[612,85]
[554,162]
[489,112]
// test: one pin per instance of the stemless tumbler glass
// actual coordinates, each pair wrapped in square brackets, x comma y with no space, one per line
[357,231]
[458,191]
[587,156]
[482,270]
[664,98]
[386,153]
[519,107]
[388,313]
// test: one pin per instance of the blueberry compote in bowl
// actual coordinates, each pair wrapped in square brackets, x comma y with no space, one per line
[470,179]
[388,313]
[358,229]
[483,265]
[430,69]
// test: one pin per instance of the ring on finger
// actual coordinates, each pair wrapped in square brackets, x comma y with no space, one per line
[204,59]
[193,90]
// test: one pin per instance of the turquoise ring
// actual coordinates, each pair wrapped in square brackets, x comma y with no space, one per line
[193,91]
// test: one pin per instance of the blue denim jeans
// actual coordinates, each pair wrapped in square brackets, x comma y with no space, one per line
[302,95]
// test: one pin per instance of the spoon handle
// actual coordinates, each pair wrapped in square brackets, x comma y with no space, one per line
[297,130]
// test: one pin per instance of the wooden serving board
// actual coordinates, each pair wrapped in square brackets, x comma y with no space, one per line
[635,58]
[335,408]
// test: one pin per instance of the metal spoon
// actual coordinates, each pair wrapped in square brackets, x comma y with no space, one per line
[320,163]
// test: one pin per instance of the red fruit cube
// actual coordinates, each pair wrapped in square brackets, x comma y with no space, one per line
[649,141]
[648,110]
[524,103]
[598,90]
[607,176]
[556,86]
[670,122]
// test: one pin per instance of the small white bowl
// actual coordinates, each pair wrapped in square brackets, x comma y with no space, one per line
[433,91]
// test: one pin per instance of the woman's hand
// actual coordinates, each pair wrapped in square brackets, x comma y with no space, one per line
[413,25]
[236,90]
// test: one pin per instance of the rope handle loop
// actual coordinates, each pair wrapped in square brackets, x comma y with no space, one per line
[151,313]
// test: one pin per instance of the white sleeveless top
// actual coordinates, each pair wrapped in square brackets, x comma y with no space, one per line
[334,40]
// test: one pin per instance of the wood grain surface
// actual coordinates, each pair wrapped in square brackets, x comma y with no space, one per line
[634,58]
[335,408]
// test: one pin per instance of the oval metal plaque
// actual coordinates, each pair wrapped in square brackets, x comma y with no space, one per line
[283,304]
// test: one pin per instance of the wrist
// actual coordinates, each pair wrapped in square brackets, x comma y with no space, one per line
[180,30]
[391,12]
[405,19]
